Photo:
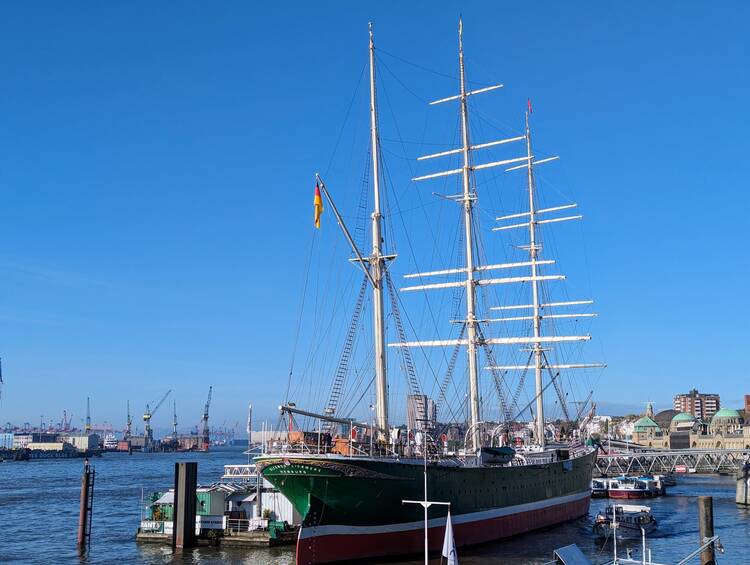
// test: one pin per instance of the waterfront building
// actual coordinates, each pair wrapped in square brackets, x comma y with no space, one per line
[700,405]
[726,421]
[21,441]
[82,442]
[6,440]
[725,430]
[421,412]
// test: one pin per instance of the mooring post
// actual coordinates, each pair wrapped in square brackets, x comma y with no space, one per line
[743,484]
[706,528]
[185,486]
[84,514]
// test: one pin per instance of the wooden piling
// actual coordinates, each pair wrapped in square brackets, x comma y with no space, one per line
[86,507]
[706,528]
[743,485]
[185,486]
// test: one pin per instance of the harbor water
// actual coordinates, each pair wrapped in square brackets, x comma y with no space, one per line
[39,509]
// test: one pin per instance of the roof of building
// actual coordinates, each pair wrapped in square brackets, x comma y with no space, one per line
[683,417]
[726,413]
[645,422]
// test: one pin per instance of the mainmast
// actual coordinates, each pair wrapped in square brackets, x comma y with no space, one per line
[468,198]
[537,321]
[470,270]
[377,261]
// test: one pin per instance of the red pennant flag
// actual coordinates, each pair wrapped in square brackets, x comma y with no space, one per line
[528,103]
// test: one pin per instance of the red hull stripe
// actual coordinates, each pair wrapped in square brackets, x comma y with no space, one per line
[326,544]
[627,493]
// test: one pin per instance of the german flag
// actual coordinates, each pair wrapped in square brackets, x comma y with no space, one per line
[318,203]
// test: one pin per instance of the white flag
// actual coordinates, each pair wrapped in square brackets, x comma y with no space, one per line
[449,545]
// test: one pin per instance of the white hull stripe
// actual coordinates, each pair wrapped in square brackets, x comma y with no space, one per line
[335,529]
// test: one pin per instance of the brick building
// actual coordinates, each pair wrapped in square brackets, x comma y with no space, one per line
[701,405]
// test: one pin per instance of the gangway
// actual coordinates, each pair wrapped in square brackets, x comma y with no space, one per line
[670,461]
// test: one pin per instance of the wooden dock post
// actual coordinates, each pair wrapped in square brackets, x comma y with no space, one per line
[706,528]
[86,506]
[185,486]
[743,485]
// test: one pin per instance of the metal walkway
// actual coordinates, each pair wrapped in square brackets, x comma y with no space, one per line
[665,461]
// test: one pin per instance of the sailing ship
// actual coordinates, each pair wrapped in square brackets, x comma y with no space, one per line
[350,488]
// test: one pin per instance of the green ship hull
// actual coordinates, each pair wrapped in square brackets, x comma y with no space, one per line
[352,506]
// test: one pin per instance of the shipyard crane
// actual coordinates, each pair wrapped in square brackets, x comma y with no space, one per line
[174,419]
[128,424]
[87,426]
[147,415]
[206,440]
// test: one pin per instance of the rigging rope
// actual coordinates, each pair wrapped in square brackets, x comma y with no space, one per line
[346,353]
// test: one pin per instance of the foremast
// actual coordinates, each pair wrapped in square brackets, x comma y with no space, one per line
[377,260]
[373,266]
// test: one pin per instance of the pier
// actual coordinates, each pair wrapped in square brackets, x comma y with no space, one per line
[676,461]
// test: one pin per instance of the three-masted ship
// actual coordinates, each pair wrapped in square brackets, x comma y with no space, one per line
[350,493]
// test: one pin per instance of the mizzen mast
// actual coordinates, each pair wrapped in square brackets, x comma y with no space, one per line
[537,307]
[534,256]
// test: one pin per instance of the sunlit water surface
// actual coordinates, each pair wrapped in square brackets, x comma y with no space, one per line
[39,512]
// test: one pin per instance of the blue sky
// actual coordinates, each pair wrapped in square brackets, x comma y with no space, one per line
[156,165]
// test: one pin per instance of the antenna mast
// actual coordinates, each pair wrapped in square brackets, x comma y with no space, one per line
[377,261]
[174,418]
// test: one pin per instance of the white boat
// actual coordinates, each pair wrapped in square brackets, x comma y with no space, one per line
[626,518]
[110,442]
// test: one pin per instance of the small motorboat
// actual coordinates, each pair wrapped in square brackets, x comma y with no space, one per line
[669,480]
[599,488]
[627,518]
[628,487]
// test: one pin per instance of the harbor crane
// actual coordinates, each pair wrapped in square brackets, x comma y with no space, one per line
[206,440]
[87,426]
[147,415]
[174,419]
[128,424]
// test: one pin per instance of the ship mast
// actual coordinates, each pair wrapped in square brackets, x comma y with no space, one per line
[539,310]
[534,256]
[468,198]
[377,261]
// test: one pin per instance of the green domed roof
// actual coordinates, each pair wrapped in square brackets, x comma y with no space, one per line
[683,417]
[726,413]
[645,422]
